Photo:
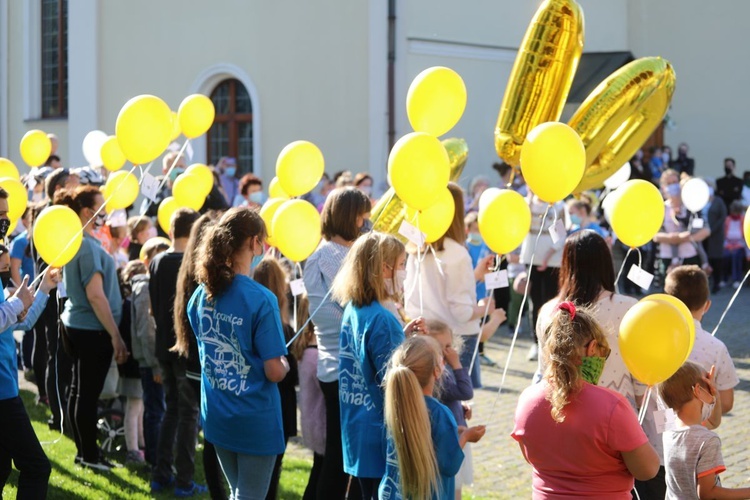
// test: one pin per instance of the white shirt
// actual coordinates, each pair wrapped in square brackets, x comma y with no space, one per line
[545,240]
[448,289]
[672,225]
[608,312]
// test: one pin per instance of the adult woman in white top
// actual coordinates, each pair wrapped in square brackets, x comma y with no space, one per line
[543,261]
[448,285]
[587,278]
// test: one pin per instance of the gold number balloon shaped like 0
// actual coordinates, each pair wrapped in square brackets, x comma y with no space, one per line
[542,75]
[390,211]
[620,114]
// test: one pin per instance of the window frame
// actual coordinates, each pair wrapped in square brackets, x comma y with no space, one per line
[62,61]
[232,119]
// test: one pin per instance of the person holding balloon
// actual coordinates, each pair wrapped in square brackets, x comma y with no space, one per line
[345,216]
[91,317]
[581,439]
[448,292]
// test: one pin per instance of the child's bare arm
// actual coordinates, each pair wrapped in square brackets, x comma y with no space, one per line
[707,488]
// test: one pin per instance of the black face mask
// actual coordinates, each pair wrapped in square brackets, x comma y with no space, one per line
[4,226]
[728,171]
[5,278]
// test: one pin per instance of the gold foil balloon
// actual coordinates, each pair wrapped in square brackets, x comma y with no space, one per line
[620,115]
[390,210]
[542,75]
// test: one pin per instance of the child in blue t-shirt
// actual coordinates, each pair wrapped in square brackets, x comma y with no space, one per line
[369,334]
[424,441]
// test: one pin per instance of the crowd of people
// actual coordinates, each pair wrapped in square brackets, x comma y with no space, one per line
[380,353]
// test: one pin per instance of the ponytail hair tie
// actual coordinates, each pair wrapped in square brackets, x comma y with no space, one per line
[567,306]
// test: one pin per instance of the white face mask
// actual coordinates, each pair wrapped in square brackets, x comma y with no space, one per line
[399,277]
[707,409]
[151,233]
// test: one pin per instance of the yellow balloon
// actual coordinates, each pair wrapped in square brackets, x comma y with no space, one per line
[196,114]
[35,148]
[746,227]
[434,220]
[299,167]
[144,128]
[17,197]
[112,157]
[121,190]
[267,211]
[389,212]
[637,212]
[653,341]
[8,169]
[205,175]
[680,305]
[542,75]
[164,214]
[436,100]
[419,169]
[504,220]
[275,190]
[189,191]
[620,114]
[552,161]
[57,235]
[176,131]
[296,229]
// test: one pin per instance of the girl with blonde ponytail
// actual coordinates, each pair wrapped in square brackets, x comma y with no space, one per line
[424,445]
[583,440]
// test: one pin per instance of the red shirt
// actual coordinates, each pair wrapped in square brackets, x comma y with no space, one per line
[580,457]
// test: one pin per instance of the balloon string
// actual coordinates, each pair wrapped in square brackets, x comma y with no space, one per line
[166,176]
[644,407]
[726,310]
[498,261]
[297,275]
[523,304]
[419,270]
[83,227]
[619,273]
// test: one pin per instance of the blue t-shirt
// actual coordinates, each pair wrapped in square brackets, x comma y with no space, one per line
[477,253]
[236,333]
[369,334]
[18,251]
[90,259]
[448,452]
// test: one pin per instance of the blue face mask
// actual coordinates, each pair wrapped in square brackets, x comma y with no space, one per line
[575,220]
[256,197]
[175,172]
[230,171]
[256,261]
[366,226]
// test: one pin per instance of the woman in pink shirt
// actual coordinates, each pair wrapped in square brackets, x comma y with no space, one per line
[582,440]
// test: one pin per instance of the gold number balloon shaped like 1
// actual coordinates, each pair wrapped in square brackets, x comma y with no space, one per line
[390,210]
[542,75]
[620,114]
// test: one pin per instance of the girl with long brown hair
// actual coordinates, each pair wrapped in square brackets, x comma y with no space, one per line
[424,445]
[241,343]
[581,439]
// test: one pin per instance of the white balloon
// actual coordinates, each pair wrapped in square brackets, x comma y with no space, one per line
[618,178]
[487,196]
[609,203]
[92,146]
[695,194]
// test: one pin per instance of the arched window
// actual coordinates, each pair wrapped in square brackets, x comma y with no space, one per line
[54,58]
[232,131]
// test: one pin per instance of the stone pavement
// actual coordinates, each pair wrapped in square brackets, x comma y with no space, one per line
[499,468]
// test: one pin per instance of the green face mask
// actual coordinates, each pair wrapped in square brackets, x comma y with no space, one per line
[592,368]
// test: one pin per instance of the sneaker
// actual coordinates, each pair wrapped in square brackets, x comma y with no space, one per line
[486,361]
[533,354]
[135,457]
[157,486]
[193,489]
[102,464]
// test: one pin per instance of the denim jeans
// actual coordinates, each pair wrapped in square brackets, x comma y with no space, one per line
[153,412]
[248,475]
[19,444]
[179,427]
